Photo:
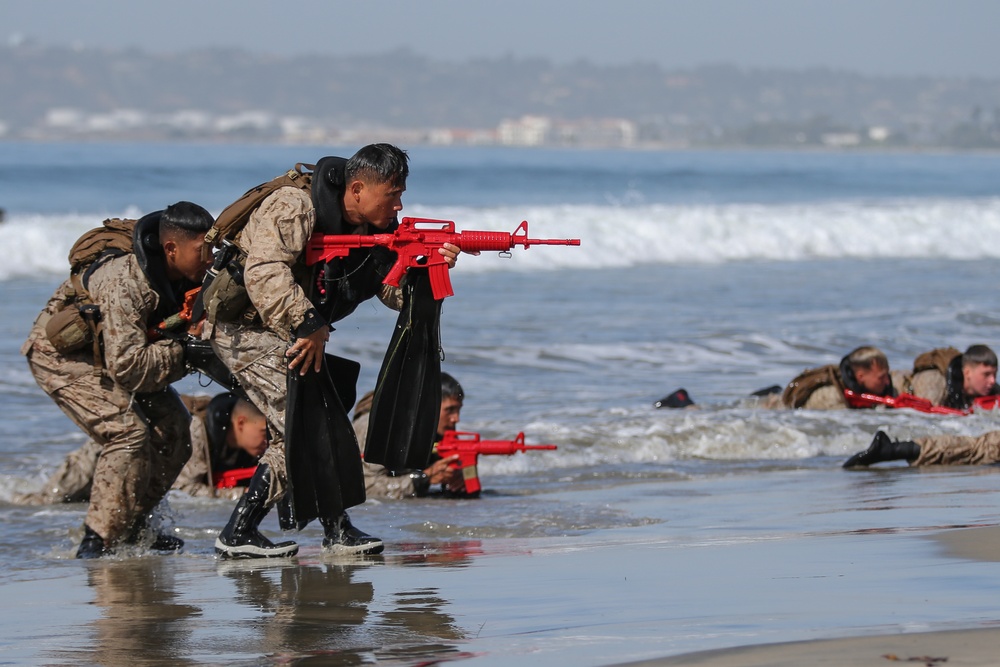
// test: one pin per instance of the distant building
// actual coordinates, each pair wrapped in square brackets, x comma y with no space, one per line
[527,131]
[841,139]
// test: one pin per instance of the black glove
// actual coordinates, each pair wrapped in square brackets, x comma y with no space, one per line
[201,358]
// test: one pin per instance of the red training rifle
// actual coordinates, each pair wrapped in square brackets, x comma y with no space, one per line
[232,478]
[468,447]
[865,400]
[416,242]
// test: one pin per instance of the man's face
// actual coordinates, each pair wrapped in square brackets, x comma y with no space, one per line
[184,259]
[874,379]
[373,203]
[451,409]
[251,434]
[979,379]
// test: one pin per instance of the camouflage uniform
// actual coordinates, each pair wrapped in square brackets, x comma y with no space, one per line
[930,384]
[959,449]
[274,240]
[378,482]
[827,397]
[70,483]
[126,404]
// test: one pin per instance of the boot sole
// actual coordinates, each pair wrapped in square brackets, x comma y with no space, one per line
[223,550]
[369,549]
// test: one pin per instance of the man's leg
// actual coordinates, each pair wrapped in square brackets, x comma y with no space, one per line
[959,450]
[259,363]
[169,449]
[170,442]
[103,411]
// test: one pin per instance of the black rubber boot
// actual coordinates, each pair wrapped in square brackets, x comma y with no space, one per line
[240,538]
[162,542]
[884,449]
[678,399]
[92,545]
[343,538]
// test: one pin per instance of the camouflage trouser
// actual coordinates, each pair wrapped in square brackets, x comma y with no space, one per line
[70,483]
[959,449]
[257,359]
[144,443]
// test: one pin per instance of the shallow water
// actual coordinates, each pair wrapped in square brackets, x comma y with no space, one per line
[654,568]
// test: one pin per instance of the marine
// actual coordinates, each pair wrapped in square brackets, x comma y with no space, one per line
[275,345]
[112,379]
[381,482]
[953,379]
[864,369]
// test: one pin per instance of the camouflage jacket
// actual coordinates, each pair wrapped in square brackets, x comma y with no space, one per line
[128,305]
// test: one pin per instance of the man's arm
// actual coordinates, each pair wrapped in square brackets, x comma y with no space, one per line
[127,302]
[274,240]
[71,481]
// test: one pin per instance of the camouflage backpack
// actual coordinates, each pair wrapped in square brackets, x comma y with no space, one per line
[77,323]
[938,359]
[234,217]
[801,388]
[224,295]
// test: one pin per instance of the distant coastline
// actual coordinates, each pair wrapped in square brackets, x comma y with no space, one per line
[229,95]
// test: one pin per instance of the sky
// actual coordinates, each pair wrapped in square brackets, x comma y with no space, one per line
[878,37]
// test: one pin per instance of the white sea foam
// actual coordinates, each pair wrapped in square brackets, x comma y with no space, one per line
[613,236]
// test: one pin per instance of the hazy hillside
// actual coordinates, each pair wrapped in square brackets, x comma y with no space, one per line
[48,91]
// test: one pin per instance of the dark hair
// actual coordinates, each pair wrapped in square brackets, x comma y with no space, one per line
[979,354]
[185,220]
[450,388]
[378,163]
[244,408]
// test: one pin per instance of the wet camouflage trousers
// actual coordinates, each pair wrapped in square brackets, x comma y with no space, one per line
[144,442]
[959,449]
[256,357]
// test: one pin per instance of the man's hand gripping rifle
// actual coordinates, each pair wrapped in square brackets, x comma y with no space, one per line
[416,242]
[468,447]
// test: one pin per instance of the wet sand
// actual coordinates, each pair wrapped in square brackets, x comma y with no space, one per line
[868,564]
[965,648]
[972,648]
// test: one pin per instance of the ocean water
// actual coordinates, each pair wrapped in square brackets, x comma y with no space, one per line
[648,532]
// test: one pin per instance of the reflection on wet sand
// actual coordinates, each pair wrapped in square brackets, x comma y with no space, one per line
[317,609]
[140,620]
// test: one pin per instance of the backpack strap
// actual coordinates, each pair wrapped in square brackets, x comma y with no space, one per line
[234,217]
